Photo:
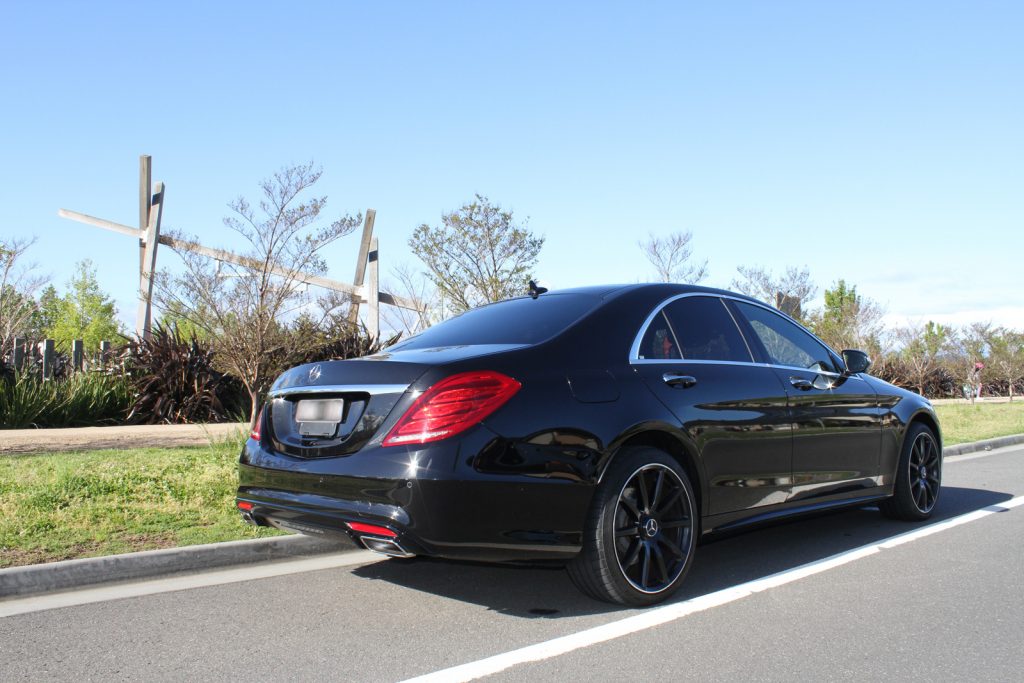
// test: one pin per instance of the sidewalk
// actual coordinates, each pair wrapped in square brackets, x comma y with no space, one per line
[14,441]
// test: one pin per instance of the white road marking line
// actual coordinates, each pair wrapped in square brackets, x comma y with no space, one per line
[86,596]
[662,615]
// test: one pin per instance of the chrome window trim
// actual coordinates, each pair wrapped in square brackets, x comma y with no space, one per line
[634,351]
[372,389]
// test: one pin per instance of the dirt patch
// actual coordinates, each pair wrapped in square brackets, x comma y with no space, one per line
[18,441]
[129,543]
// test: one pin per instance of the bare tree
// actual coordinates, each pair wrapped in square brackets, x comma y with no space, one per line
[761,283]
[969,350]
[18,287]
[478,254]
[417,288]
[671,257]
[243,308]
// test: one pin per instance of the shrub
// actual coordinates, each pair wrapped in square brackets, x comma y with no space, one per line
[81,399]
[175,381]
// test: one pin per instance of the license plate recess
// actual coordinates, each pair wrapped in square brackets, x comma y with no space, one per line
[319,416]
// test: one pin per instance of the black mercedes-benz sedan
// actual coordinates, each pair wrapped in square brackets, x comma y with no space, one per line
[605,427]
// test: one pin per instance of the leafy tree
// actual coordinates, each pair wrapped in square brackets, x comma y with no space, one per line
[1006,356]
[478,254]
[848,320]
[84,312]
[18,286]
[922,349]
[671,257]
[244,309]
[49,310]
[761,283]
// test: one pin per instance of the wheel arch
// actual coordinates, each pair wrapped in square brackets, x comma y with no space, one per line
[668,440]
[929,420]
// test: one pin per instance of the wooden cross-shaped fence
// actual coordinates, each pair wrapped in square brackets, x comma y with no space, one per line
[151,203]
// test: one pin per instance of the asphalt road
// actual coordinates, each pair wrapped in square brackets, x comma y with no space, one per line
[850,596]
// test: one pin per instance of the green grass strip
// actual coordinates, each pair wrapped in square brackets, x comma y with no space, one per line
[58,506]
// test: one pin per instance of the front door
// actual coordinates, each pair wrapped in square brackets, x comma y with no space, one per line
[836,420]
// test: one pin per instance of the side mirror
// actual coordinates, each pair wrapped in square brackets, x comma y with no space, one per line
[856,361]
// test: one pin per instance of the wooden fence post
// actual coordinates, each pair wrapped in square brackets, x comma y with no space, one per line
[19,353]
[46,347]
[77,354]
[145,203]
[364,254]
[373,292]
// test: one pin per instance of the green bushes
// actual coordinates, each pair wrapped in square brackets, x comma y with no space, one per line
[82,399]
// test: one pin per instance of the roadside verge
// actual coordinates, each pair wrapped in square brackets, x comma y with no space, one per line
[70,574]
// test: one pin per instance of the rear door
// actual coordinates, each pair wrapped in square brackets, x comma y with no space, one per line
[836,420]
[692,356]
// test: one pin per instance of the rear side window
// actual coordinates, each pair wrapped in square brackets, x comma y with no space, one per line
[659,343]
[516,321]
[705,330]
[786,342]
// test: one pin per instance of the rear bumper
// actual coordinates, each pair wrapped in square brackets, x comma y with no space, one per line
[434,501]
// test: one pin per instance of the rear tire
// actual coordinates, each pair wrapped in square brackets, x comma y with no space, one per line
[918,477]
[641,532]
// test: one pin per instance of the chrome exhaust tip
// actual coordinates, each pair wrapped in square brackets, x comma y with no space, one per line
[384,546]
[249,519]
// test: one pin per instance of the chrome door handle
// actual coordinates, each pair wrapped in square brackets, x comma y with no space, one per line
[801,383]
[674,380]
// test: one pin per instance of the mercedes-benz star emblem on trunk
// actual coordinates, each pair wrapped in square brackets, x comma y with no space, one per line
[314,373]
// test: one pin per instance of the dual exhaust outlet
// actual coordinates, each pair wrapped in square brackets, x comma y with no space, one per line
[384,546]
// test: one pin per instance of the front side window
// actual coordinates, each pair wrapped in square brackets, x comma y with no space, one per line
[787,343]
[705,330]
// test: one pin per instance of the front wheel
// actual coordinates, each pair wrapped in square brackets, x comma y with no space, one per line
[918,477]
[641,532]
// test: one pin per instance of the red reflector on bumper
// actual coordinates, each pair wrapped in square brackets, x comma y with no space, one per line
[371,529]
[244,505]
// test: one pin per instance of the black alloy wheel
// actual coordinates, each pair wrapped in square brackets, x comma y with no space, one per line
[641,533]
[918,477]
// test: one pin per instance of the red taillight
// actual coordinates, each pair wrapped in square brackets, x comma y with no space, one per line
[371,529]
[257,430]
[451,406]
[244,505]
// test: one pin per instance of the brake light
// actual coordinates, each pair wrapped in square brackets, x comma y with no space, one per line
[257,430]
[245,505]
[451,406]
[361,528]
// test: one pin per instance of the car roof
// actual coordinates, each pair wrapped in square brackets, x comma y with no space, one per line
[665,288]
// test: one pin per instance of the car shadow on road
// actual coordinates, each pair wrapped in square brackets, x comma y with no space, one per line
[546,592]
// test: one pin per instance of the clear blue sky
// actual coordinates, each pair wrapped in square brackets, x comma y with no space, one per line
[879,142]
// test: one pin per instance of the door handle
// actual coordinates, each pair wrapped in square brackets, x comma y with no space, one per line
[674,380]
[801,383]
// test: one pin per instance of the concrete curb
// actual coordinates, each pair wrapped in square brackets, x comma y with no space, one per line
[985,445]
[56,576]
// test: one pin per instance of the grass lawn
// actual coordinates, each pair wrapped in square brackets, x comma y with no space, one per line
[59,506]
[962,422]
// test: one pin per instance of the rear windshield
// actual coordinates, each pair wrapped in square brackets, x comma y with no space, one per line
[516,321]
